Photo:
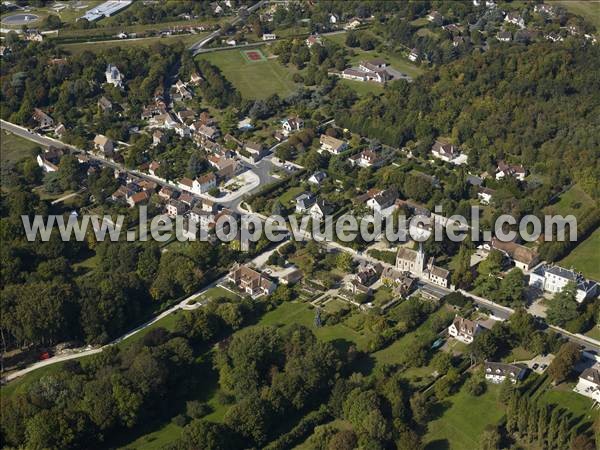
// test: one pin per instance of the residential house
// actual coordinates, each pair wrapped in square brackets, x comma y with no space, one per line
[186,198]
[365,276]
[205,183]
[207,132]
[553,279]
[60,130]
[496,372]
[304,202]
[138,198]
[113,76]
[366,158]
[414,55]
[245,124]
[253,151]
[312,40]
[435,17]
[50,159]
[332,145]
[403,284]
[383,201]
[515,18]
[181,130]
[512,170]
[319,210]
[158,137]
[44,120]
[195,79]
[104,145]
[352,24]
[525,258]
[166,193]
[186,116]
[464,330]
[291,124]
[153,168]
[34,36]
[317,178]
[444,151]
[250,281]
[175,208]
[105,105]
[485,195]
[165,120]
[588,383]
[269,37]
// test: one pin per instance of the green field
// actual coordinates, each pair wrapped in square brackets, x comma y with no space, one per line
[578,405]
[254,80]
[99,46]
[463,419]
[363,88]
[588,9]
[586,257]
[574,201]
[14,148]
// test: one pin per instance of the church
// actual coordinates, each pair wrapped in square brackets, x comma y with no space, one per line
[414,261]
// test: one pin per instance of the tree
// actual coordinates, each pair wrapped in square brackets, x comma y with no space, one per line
[561,366]
[419,408]
[490,439]
[442,362]
[475,385]
[344,262]
[511,288]
[563,307]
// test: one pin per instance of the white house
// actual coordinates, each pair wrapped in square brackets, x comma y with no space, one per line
[352,24]
[43,119]
[332,145]
[511,170]
[175,208]
[269,37]
[464,330]
[312,40]
[319,210]
[113,76]
[525,258]
[383,202]
[553,279]
[366,158]
[291,124]
[250,281]
[589,383]
[205,183]
[317,178]
[304,202]
[515,19]
[103,144]
[496,372]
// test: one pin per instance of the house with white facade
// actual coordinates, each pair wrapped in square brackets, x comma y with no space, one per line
[464,330]
[332,145]
[250,281]
[319,210]
[43,119]
[113,76]
[317,178]
[515,19]
[104,145]
[588,383]
[291,124]
[510,170]
[366,158]
[525,258]
[304,202]
[496,372]
[553,279]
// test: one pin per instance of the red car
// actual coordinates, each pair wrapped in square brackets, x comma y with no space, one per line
[44,355]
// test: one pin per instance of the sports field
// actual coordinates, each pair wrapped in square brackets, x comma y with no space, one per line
[254,78]
[14,148]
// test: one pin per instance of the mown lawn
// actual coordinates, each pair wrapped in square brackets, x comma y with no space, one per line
[14,148]
[589,10]
[254,80]
[578,405]
[462,420]
[586,256]
[99,46]
[574,201]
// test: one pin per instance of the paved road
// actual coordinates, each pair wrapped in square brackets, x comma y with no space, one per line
[196,48]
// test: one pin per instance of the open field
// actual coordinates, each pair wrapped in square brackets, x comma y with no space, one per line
[462,420]
[14,148]
[99,46]
[586,256]
[256,79]
[67,15]
[363,88]
[574,201]
[578,405]
[589,9]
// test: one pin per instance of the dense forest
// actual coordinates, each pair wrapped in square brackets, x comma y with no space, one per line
[535,105]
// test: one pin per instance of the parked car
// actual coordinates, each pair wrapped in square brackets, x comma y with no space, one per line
[535,366]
